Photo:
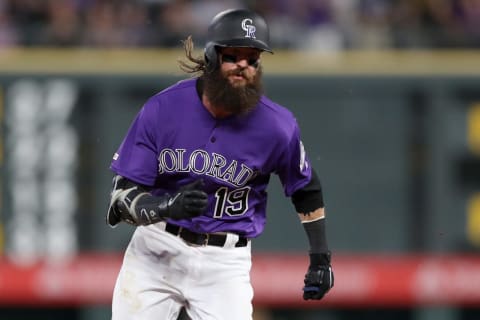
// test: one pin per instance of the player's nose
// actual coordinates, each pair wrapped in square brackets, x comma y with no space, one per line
[242,62]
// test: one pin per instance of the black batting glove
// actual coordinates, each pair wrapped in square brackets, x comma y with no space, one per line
[319,277]
[190,201]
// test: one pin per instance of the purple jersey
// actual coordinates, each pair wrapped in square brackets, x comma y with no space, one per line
[174,140]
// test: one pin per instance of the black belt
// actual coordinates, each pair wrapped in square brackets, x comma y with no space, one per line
[202,239]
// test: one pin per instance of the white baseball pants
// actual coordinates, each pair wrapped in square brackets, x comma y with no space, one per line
[161,273]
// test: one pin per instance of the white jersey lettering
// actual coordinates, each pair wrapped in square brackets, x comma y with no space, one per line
[201,162]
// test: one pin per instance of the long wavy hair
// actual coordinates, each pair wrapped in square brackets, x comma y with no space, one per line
[195,66]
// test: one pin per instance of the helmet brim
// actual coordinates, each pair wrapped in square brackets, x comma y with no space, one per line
[244,43]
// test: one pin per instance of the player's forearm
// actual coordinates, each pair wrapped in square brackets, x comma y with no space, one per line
[309,204]
[131,203]
[314,225]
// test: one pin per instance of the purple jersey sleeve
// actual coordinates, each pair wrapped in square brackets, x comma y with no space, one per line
[136,157]
[294,168]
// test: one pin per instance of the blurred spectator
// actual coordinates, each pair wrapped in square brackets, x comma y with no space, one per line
[101,26]
[284,28]
[174,23]
[372,27]
[467,13]
[319,26]
[30,18]
[134,24]
[423,24]
[63,28]
[8,32]
[301,24]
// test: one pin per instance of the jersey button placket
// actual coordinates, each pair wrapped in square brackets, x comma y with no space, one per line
[213,137]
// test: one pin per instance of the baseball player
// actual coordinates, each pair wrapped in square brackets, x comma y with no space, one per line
[191,174]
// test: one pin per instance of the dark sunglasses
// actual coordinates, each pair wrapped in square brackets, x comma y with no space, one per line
[230,58]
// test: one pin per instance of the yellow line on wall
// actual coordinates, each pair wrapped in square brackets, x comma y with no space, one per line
[163,61]
[473,128]
[473,219]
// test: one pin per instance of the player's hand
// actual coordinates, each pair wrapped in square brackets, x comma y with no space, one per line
[319,277]
[190,201]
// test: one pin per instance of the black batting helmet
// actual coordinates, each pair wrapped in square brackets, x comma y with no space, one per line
[236,28]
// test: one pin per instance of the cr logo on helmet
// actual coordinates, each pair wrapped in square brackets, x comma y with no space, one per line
[249,28]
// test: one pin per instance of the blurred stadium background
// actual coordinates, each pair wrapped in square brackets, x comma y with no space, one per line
[387,93]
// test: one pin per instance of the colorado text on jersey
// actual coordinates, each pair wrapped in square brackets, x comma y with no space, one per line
[201,162]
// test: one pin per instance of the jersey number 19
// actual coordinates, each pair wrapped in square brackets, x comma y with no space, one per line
[233,202]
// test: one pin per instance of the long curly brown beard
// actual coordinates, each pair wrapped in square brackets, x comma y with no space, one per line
[234,100]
